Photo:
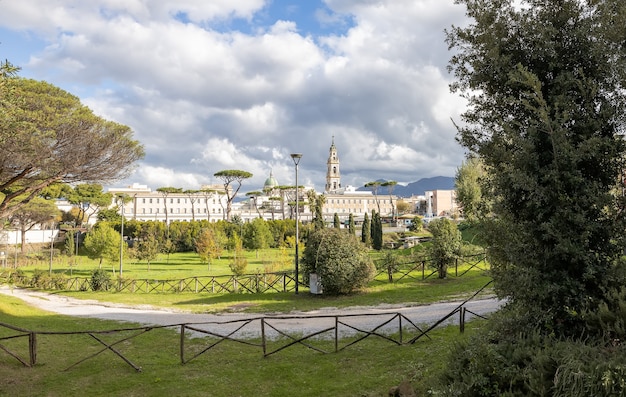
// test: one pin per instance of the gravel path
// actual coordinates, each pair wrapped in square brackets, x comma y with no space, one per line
[245,325]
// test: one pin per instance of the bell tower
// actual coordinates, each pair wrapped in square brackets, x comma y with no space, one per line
[333,177]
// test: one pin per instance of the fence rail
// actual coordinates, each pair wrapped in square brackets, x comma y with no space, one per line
[271,334]
[413,268]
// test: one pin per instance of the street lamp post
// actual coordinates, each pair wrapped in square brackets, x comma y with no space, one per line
[296,160]
[122,197]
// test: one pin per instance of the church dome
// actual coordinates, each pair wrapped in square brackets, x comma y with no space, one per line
[270,183]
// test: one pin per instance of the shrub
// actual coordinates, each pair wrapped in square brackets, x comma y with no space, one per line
[238,265]
[511,356]
[100,280]
[39,278]
[339,259]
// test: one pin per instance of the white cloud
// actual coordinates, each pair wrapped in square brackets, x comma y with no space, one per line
[203,95]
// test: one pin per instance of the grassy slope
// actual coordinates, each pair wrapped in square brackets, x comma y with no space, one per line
[369,368]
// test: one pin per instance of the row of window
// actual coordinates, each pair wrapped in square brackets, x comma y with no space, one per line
[149,200]
[357,201]
[173,210]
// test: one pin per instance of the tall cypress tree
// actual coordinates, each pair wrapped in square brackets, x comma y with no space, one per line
[351,227]
[377,231]
[365,231]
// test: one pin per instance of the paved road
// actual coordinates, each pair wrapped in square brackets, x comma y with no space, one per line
[244,325]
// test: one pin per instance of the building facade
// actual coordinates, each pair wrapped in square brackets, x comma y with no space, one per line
[146,205]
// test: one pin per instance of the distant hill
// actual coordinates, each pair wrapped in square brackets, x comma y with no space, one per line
[423,185]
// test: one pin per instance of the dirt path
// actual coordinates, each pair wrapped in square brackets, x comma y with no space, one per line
[248,325]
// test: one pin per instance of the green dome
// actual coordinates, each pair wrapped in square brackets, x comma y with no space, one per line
[270,182]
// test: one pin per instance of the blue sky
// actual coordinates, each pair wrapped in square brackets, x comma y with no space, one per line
[241,84]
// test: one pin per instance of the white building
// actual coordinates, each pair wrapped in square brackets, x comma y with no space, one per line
[209,202]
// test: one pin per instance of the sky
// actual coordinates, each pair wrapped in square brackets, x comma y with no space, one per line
[241,84]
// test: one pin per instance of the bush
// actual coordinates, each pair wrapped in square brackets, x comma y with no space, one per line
[39,278]
[100,280]
[238,265]
[339,259]
[511,357]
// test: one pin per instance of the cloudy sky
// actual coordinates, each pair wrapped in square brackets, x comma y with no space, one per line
[240,84]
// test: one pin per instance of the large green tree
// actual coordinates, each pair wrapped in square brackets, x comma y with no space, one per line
[47,136]
[545,83]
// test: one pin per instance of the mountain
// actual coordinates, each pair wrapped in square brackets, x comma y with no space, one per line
[420,187]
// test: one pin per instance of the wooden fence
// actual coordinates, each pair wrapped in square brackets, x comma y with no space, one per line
[419,269]
[270,334]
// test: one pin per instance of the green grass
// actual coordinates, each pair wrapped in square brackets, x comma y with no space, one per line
[167,267]
[404,290]
[368,368]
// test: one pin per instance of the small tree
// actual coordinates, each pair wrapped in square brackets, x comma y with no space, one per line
[336,221]
[209,246]
[446,244]
[70,244]
[390,264]
[339,259]
[102,242]
[240,263]
[148,249]
[416,224]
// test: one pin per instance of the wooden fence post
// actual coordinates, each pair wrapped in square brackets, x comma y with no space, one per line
[263,344]
[400,326]
[336,334]
[182,343]
[32,348]
[462,319]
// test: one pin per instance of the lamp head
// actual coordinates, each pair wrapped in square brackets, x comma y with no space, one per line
[296,157]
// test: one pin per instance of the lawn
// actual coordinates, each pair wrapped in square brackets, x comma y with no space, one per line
[166,267]
[415,288]
[369,368]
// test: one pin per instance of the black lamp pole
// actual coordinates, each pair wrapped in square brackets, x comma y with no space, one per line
[296,160]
